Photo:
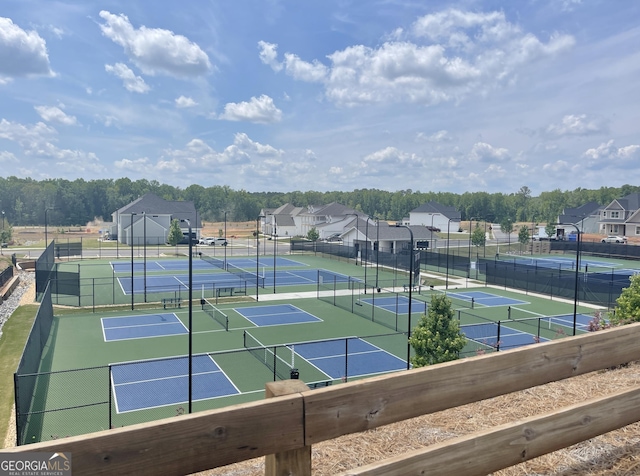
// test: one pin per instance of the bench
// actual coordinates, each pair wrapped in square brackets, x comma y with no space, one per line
[415,287]
[319,384]
[169,302]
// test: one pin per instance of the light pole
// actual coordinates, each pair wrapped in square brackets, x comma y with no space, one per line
[275,250]
[144,248]
[258,253]
[225,239]
[366,253]
[377,249]
[357,233]
[131,238]
[470,231]
[410,288]
[46,240]
[575,291]
[446,285]
[190,293]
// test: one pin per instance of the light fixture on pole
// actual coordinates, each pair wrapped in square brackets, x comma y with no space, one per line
[190,293]
[131,239]
[410,288]
[260,217]
[575,291]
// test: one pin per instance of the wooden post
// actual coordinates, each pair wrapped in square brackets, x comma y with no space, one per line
[292,462]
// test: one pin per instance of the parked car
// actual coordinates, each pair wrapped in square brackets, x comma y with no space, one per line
[614,239]
[206,241]
[219,242]
[335,238]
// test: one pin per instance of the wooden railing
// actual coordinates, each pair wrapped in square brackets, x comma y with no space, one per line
[287,425]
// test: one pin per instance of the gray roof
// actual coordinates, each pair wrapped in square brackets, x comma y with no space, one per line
[151,204]
[630,202]
[399,233]
[574,215]
[435,207]
[335,209]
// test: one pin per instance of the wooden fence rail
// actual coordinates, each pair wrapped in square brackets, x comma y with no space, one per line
[287,424]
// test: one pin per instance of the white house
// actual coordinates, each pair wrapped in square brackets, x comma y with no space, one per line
[147,220]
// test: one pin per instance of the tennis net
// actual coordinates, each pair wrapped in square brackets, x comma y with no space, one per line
[246,275]
[269,356]
[216,314]
[217,262]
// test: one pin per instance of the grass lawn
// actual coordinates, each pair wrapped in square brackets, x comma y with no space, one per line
[14,335]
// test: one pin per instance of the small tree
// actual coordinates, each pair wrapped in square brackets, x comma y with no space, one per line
[175,234]
[437,337]
[478,237]
[507,227]
[550,230]
[523,235]
[628,304]
[313,234]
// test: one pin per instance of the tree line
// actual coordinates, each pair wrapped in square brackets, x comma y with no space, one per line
[75,203]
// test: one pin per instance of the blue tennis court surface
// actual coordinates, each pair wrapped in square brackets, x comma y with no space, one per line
[155,383]
[200,264]
[167,283]
[397,303]
[566,320]
[485,299]
[487,333]
[141,326]
[276,315]
[363,358]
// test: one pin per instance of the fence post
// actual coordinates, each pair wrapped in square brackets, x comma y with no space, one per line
[296,461]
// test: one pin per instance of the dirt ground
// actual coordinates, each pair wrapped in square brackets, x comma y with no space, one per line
[35,235]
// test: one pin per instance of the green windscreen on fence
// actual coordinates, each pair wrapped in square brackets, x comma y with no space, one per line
[30,363]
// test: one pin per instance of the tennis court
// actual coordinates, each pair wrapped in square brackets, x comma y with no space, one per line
[492,335]
[141,326]
[169,283]
[351,357]
[276,315]
[485,299]
[155,383]
[566,320]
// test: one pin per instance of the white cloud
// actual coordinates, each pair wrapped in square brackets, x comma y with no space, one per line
[455,54]
[55,114]
[607,154]
[183,102]
[483,152]
[38,141]
[242,141]
[131,82]
[139,165]
[22,53]
[575,125]
[440,136]
[6,156]
[261,110]
[155,50]
[269,55]
[303,70]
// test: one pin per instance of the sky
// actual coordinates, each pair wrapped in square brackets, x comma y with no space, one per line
[324,95]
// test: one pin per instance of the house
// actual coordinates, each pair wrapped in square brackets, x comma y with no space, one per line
[621,216]
[436,216]
[586,217]
[387,238]
[147,220]
[288,220]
